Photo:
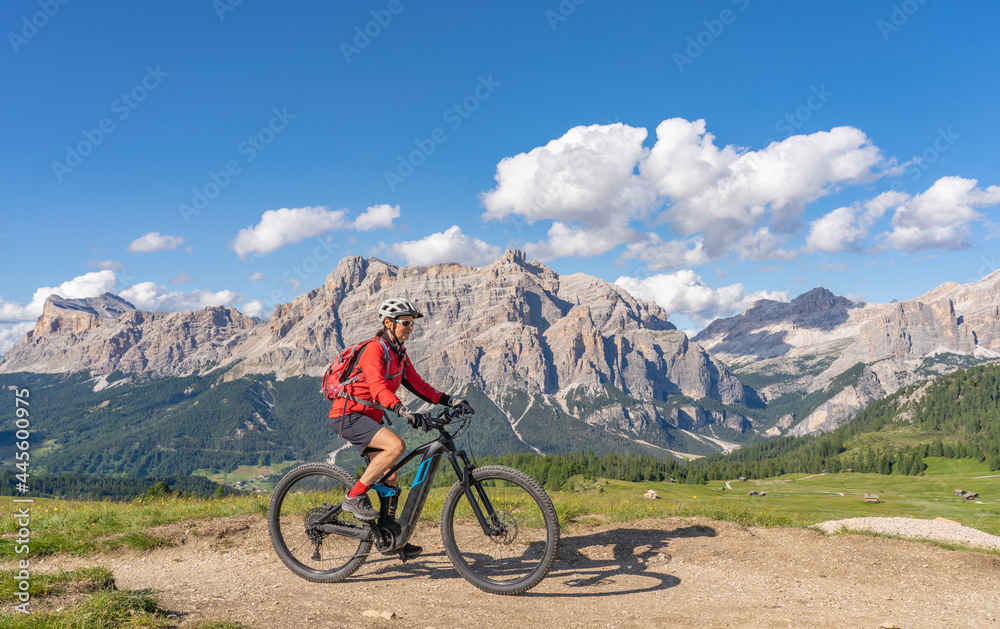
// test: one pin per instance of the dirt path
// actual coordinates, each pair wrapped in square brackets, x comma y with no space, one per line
[653,573]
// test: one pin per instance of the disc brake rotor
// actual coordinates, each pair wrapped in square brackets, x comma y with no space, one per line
[506,527]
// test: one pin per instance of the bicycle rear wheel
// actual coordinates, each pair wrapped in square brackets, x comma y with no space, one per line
[302,502]
[520,547]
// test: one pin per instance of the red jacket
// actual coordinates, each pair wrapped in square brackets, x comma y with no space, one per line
[376,387]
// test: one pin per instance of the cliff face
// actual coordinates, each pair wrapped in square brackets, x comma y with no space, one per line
[770,328]
[102,334]
[79,315]
[803,346]
[513,326]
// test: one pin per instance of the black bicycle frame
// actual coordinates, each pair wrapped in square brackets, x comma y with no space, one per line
[419,491]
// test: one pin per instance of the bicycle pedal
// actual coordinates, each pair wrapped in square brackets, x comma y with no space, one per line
[409,552]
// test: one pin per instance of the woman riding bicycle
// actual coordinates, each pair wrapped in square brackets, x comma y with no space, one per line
[382,366]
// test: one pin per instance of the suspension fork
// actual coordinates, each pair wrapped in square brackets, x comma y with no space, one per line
[464,473]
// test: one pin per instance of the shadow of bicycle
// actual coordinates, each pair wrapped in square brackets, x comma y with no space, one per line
[606,563]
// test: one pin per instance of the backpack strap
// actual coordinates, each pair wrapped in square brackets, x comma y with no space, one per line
[372,404]
[402,360]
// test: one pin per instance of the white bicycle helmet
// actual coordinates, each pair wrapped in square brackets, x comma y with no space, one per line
[394,308]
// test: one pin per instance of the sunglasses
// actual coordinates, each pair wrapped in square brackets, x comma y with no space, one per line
[405,324]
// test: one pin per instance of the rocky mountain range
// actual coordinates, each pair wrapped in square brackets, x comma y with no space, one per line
[526,337]
[807,345]
[559,357]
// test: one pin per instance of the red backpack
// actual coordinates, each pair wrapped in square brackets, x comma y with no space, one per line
[339,374]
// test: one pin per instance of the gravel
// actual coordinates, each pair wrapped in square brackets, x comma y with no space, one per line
[911,528]
[684,573]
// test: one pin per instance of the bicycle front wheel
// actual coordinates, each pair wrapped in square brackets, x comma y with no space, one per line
[304,500]
[519,547]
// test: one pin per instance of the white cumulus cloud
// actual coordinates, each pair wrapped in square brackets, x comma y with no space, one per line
[154,241]
[684,292]
[763,245]
[659,255]
[571,240]
[11,334]
[847,227]
[939,217]
[257,276]
[87,285]
[253,308]
[284,226]
[152,296]
[602,175]
[450,245]
[733,191]
[578,177]
[376,216]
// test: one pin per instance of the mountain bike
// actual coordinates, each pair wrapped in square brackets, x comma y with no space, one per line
[498,525]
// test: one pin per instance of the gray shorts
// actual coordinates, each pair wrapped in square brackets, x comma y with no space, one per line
[358,428]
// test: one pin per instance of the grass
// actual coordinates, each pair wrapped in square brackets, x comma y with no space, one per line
[54,583]
[100,606]
[245,473]
[817,498]
[81,527]
[798,499]
[895,437]
[84,528]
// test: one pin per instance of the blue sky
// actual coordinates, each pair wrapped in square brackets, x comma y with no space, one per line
[847,145]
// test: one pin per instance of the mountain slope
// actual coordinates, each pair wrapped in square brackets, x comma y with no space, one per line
[954,416]
[803,347]
[566,362]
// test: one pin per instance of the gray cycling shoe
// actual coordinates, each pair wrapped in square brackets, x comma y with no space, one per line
[360,507]
[409,552]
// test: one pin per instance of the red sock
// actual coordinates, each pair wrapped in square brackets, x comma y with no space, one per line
[359,489]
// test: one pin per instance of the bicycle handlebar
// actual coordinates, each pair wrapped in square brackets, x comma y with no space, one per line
[444,417]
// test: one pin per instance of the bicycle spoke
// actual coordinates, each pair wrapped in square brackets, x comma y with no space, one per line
[305,499]
[518,550]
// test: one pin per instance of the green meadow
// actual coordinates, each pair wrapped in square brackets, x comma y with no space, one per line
[796,500]
[806,499]
[245,473]
[85,528]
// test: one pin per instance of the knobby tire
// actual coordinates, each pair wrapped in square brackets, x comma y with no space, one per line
[522,549]
[303,494]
